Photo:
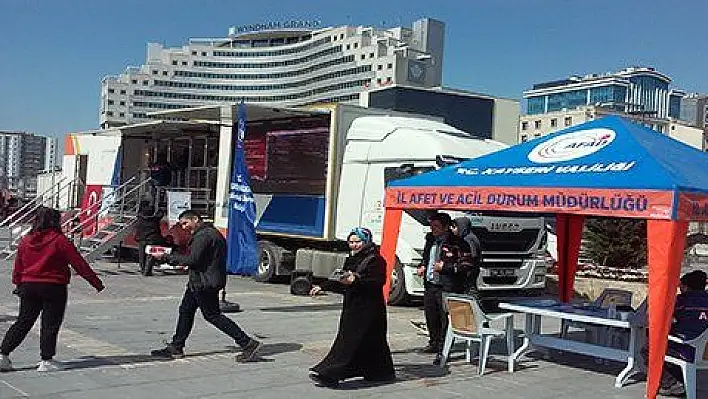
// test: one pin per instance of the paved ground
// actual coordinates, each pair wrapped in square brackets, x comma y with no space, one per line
[105,339]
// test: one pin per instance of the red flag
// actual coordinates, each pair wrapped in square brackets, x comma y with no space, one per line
[89,208]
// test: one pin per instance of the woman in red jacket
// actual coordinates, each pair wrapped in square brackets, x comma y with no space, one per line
[41,274]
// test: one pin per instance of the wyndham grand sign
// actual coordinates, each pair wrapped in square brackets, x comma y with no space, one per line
[294,24]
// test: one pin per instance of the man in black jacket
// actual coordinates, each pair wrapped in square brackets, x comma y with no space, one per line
[207,276]
[446,258]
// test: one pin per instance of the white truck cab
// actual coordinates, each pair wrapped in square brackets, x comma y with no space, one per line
[380,149]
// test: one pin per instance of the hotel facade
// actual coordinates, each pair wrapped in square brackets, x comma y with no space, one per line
[287,64]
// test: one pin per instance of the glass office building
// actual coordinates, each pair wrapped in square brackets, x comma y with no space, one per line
[629,90]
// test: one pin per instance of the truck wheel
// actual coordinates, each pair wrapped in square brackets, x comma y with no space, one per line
[397,294]
[270,256]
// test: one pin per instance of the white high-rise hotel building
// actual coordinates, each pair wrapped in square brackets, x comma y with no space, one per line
[291,63]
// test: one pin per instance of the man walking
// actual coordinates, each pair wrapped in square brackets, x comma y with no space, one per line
[207,276]
[446,260]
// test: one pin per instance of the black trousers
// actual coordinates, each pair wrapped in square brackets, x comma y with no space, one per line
[472,289]
[435,316]
[208,302]
[670,373]
[36,298]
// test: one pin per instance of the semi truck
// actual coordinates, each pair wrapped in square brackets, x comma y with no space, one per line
[315,174]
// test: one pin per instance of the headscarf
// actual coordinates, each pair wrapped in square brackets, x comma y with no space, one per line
[363,233]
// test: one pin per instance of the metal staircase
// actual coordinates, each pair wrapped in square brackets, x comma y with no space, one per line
[107,222]
[115,219]
[19,223]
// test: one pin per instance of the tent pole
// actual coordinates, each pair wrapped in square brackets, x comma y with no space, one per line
[391,228]
[666,241]
[570,230]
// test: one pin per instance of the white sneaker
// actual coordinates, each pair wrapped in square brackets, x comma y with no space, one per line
[48,365]
[5,363]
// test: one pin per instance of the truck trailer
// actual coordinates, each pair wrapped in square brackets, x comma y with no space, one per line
[316,173]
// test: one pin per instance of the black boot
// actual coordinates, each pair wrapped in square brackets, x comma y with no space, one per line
[168,352]
[250,351]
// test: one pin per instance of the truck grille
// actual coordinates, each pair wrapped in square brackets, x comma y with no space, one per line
[502,265]
[522,241]
[500,280]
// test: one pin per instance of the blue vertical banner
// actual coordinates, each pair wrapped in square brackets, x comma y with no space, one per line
[242,245]
[117,166]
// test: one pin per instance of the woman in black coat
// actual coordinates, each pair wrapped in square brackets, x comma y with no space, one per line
[361,348]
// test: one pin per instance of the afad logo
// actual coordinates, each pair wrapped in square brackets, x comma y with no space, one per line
[572,145]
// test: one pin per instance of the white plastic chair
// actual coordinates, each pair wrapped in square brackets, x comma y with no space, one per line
[608,297]
[689,369]
[639,317]
[466,321]
[615,296]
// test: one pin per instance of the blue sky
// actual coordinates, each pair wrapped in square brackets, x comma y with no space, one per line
[54,53]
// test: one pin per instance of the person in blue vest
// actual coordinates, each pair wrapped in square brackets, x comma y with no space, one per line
[690,321]
[161,173]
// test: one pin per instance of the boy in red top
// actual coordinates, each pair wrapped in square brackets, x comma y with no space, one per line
[41,274]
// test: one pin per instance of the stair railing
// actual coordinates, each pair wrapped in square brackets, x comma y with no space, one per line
[16,224]
[16,217]
[91,214]
[120,196]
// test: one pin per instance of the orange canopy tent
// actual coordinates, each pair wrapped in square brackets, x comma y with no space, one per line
[608,167]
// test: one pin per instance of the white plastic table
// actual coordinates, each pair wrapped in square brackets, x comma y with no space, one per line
[535,310]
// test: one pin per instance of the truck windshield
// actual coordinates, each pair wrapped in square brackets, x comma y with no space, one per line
[408,170]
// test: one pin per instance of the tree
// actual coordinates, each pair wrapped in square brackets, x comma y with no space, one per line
[616,242]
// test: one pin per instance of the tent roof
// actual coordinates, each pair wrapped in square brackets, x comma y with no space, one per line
[609,155]
[643,159]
